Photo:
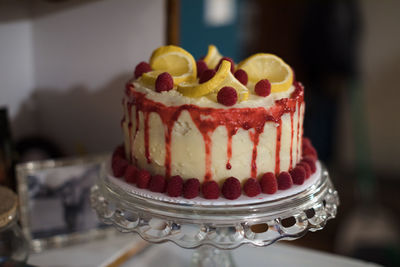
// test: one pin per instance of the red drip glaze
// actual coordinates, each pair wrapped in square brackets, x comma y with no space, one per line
[207,141]
[136,131]
[231,132]
[130,129]
[169,115]
[254,136]
[146,137]
[298,132]
[291,139]
[278,147]
[299,91]
[208,119]
[123,106]
[167,162]
[206,128]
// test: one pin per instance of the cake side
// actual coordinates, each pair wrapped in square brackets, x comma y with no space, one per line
[211,142]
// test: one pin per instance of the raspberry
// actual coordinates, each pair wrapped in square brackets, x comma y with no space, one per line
[119,152]
[306,142]
[228,59]
[311,162]
[191,188]
[310,151]
[119,166]
[227,96]
[175,186]
[298,174]
[263,88]
[306,167]
[164,82]
[231,188]
[118,161]
[143,179]
[268,183]
[141,68]
[157,183]
[130,174]
[210,190]
[242,77]
[284,181]
[201,67]
[206,75]
[252,187]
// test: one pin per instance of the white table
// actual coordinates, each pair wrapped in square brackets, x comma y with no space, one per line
[99,252]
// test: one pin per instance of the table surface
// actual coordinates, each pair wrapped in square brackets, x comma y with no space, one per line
[101,252]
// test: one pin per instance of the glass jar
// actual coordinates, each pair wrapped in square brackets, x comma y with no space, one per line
[13,246]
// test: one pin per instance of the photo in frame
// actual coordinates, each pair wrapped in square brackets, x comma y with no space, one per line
[54,199]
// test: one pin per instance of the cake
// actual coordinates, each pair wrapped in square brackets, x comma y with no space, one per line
[211,128]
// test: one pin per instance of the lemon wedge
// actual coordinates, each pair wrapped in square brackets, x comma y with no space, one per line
[149,78]
[268,66]
[194,89]
[176,61]
[213,57]
[223,77]
[230,80]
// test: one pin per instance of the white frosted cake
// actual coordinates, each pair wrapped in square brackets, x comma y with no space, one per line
[211,127]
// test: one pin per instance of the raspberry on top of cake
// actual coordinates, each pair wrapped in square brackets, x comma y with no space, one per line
[212,128]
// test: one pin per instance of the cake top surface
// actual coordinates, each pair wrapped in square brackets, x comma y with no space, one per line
[173,77]
[175,98]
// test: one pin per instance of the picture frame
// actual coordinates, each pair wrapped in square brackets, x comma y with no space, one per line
[54,201]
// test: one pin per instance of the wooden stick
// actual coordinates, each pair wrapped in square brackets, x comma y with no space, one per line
[173,15]
[129,253]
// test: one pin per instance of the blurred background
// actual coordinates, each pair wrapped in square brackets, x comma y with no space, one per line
[63,65]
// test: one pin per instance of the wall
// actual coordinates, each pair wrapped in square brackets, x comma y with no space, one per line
[76,57]
[381,61]
[205,22]
[83,56]
[380,66]
[16,61]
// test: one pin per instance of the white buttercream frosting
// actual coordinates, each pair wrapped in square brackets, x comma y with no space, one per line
[174,98]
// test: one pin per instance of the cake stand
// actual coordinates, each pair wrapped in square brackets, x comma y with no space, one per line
[212,228]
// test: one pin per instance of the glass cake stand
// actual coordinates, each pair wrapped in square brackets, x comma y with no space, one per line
[215,229]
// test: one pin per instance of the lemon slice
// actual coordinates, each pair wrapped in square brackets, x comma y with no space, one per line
[149,78]
[213,57]
[223,77]
[268,66]
[176,61]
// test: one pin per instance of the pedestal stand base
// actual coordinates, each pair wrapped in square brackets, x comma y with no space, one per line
[213,227]
[208,256]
